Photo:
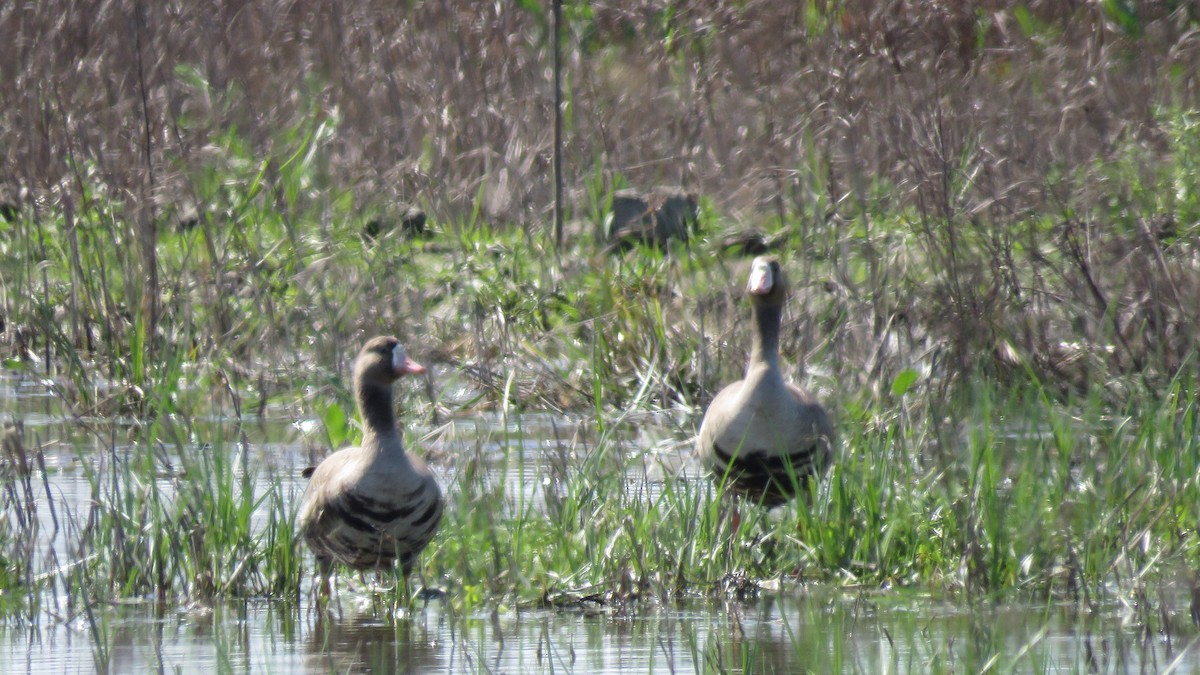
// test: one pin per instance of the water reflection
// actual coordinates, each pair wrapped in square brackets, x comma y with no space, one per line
[792,630]
[371,645]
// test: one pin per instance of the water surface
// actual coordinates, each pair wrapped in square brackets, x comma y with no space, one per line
[784,628]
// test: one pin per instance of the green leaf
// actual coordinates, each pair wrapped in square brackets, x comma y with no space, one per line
[337,429]
[904,381]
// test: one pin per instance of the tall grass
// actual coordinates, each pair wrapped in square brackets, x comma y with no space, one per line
[164,526]
[999,315]
[1053,230]
[1041,500]
[987,480]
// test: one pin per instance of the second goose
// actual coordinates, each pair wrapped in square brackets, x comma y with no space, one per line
[763,436]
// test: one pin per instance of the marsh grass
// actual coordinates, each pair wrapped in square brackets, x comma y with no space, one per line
[1004,338]
[917,235]
[972,486]
[979,490]
[160,527]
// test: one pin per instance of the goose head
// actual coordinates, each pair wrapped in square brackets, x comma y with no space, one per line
[767,285]
[382,361]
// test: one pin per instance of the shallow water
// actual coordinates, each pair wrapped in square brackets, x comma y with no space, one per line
[783,629]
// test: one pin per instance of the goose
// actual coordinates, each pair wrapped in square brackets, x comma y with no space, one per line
[368,506]
[762,436]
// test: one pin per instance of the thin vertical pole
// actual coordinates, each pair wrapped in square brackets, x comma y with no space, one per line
[558,127]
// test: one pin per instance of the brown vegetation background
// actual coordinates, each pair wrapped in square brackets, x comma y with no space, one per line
[435,99]
[822,113]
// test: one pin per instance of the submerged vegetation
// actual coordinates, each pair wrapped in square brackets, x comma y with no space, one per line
[998,306]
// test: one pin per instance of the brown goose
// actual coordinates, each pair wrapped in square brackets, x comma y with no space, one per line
[368,506]
[761,431]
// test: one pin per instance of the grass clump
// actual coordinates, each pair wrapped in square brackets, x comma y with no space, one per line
[1028,499]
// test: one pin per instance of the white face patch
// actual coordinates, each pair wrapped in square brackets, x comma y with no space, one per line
[399,357]
[761,279]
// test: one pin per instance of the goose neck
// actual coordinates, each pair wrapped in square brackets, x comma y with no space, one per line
[766,334]
[375,406]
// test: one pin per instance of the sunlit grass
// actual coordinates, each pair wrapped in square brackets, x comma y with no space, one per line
[969,476]
[995,491]
[990,509]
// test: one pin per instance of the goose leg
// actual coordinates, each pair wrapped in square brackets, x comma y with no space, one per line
[324,571]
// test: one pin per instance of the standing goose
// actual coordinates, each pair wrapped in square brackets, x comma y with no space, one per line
[368,506]
[762,436]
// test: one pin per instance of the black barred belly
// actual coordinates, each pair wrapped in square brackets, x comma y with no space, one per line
[364,533]
[764,477]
